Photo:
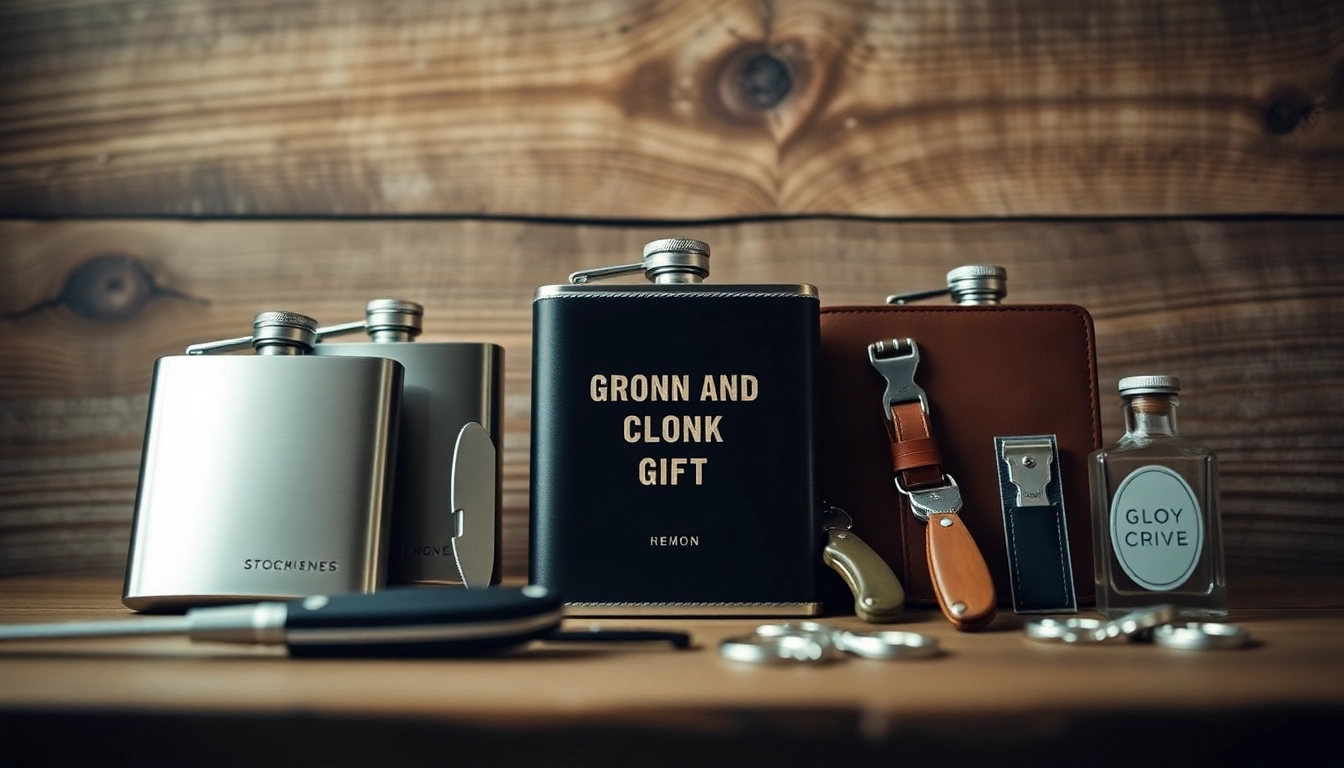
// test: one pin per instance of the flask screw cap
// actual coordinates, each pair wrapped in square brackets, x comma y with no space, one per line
[283,333]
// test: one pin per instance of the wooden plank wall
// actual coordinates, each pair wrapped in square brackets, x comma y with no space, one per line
[167,169]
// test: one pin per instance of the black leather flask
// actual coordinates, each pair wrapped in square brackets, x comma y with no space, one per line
[672,442]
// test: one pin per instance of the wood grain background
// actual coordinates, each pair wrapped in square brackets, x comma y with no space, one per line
[167,169]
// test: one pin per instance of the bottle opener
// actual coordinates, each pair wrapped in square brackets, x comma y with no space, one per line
[961,580]
[878,595]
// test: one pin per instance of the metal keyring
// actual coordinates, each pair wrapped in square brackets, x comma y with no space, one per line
[1201,636]
[1080,631]
[770,649]
[889,644]
[1138,624]
[810,641]
[813,629]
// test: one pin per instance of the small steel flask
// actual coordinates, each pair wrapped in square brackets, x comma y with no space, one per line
[446,509]
[672,442]
[264,476]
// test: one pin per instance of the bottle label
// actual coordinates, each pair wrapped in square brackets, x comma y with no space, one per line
[1157,528]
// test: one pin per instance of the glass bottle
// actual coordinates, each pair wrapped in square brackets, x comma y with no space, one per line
[1155,517]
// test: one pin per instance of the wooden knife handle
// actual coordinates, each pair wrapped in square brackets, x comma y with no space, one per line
[960,577]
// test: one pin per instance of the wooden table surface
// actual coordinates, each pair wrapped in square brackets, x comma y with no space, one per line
[992,693]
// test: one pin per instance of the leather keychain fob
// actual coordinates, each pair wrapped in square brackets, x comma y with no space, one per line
[961,580]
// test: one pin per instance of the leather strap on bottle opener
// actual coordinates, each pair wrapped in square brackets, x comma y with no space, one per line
[961,580]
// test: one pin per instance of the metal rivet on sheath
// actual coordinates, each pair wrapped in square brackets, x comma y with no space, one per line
[1028,462]
[868,601]
[842,536]
[958,609]
[946,522]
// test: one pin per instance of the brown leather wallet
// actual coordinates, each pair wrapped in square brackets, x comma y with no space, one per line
[987,371]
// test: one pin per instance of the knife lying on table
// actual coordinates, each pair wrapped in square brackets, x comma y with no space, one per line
[408,621]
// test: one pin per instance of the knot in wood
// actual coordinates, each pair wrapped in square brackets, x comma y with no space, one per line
[764,80]
[1286,112]
[108,287]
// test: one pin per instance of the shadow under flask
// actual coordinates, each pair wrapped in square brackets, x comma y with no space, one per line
[1155,514]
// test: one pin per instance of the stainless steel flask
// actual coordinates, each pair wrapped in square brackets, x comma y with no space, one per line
[672,442]
[446,509]
[265,476]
